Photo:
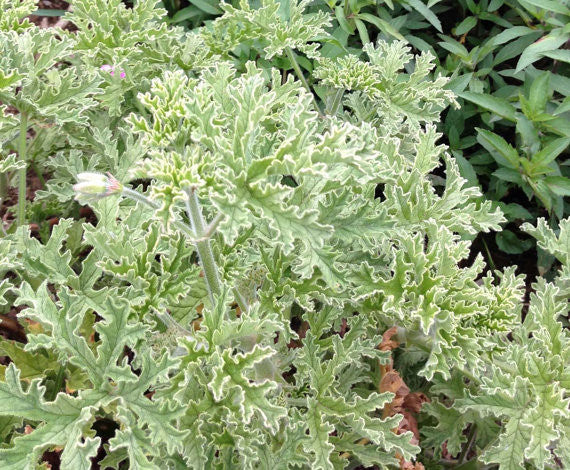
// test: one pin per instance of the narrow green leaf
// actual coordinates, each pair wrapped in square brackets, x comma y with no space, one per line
[559,185]
[342,21]
[508,242]
[455,47]
[48,12]
[508,174]
[466,169]
[207,6]
[515,48]
[551,151]
[550,5]
[511,33]
[187,13]
[564,107]
[492,141]
[423,10]
[495,5]
[497,105]
[515,211]
[362,32]
[458,84]
[382,25]
[539,93]
[466,25]
[533,52]
[559,125]
[561,55]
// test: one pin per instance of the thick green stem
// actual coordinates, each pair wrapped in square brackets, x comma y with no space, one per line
[300,76]
[241,300]
[170,322]
[203,247]
[21,214]
[346,8]
[199,234]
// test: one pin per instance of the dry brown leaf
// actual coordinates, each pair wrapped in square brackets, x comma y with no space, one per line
[404,402]
[387,343]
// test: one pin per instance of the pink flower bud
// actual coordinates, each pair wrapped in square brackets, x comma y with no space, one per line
[91,185]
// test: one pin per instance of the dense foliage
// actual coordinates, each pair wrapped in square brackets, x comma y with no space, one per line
[508,62]
[275,259]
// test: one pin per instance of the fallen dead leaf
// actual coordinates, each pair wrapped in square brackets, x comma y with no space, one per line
[404,402]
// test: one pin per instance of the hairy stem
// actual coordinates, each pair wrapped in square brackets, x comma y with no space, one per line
[138,197]
[203,246]
[170,322]
[241,300]
[142,199]
[300,76]
[21,213]
[199,234]
[204,233]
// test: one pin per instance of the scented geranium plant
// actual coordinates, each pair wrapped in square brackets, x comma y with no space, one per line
[65,94]
[226,305]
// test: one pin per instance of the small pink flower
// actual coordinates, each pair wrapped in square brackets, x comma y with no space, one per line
[111,70]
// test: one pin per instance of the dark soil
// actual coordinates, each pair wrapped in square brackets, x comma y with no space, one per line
[52,21]
[8,206]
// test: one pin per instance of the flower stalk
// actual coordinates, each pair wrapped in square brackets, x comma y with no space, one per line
[94,186]
[145,201]
[297,68]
